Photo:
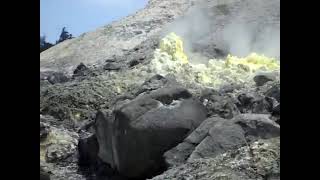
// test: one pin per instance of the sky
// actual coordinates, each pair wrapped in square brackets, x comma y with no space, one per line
[80,16]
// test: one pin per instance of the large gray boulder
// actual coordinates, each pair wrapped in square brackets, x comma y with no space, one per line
[133,138]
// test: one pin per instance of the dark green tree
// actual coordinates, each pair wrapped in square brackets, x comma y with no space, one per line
[44,45]
[64,35]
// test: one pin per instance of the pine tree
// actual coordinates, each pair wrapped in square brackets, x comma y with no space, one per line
[43,44]
[64,35]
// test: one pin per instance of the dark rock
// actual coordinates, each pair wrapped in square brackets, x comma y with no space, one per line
[202,131]
[276,110]
[57,77]
[246,99]
[257,126]
[276,113]
[104,131]
[223,106]
[274,92]
[86,125]
[112,66]
[261,107]
[255,103]
[141,130]
[81,67]
[133,62]
[261,78]
[155,82]
[179,154]
[44,130]
[229,88]
[137,32]
[272,102]
[88,151]
[82,70]
[208,92]
[59,112]
[45,74]
[44,175]
[104,171]
[111,60]
[223,136]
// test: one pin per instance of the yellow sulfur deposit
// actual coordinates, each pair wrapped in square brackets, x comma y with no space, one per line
[170,59]
[253,62]
[173,45]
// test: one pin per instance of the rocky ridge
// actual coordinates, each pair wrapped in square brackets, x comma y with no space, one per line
[114,39]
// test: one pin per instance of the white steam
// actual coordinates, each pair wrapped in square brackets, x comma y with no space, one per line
[191,27]
[237,28]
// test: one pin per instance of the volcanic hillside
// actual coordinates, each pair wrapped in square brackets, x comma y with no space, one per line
[182,89]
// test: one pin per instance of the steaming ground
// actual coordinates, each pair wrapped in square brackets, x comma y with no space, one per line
[237,27]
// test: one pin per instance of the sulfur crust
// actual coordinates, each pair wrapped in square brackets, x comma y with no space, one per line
[173,46]
[171,59]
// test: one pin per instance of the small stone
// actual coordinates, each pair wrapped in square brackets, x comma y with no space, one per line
[112,66]
[133,63]
[81,70]
[261,78]
[44,130]
[57,77]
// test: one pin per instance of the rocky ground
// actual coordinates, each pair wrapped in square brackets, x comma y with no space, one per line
[120,103]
